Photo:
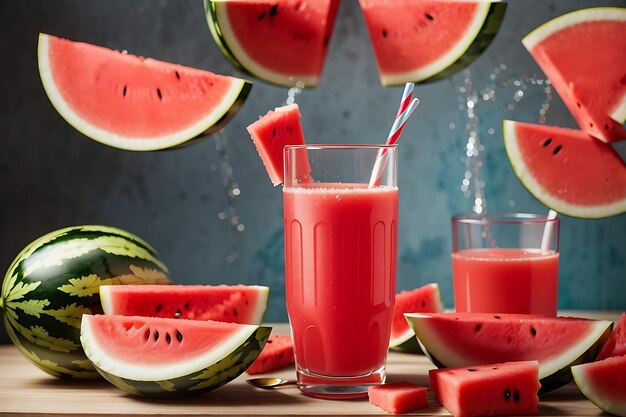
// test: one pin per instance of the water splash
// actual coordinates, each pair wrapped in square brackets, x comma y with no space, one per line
[470,97]
[293,93]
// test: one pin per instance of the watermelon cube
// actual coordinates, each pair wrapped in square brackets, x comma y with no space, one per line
[488,390]
[397,397]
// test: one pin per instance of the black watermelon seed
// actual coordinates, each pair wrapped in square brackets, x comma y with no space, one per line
[261,16]
[177,314]
[533,331]
[235,313]
[590,124]
[159,93]
[274,10]
[187,305]
[606,126]
[429,16]
[507,394]
[124,92]
[494,368]
[177,75]
[269,341]
[274,132]
[557,149]
[472,370]
[497,317]
[168,338]
[384,33]
[578,104]
[478,327]
[156,335]
[456,318]
[147,334]
[179,336]
[280,356]
[423,303]
[158,307]
[547,142]
[516,396]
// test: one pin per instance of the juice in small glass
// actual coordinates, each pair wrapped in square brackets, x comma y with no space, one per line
[340,266]
[499,264]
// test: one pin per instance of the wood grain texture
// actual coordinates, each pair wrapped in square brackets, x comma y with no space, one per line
[27,391]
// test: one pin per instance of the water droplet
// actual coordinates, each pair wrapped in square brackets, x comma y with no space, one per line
[491,131]
[221,215]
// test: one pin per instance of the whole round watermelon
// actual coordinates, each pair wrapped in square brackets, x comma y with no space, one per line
[56,279]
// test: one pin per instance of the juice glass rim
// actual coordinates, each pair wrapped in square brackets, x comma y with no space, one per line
[316,146]
[503,218]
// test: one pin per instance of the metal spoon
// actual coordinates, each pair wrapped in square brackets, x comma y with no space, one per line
[270,383]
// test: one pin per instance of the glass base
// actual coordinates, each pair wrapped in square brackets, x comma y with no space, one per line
[338,388]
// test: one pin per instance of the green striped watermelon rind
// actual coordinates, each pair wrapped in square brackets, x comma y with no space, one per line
[555,374]
[482,38]
[212,124]
[200,381]
[55,279]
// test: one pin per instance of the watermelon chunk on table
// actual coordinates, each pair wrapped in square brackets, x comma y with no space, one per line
[604,383]
[583,53]
[397,397]
[488,390]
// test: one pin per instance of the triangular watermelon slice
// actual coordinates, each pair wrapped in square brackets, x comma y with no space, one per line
[604,383]
[281,42]
[419,41]
[583,53]
[132,102]
[567,169]
[616,345]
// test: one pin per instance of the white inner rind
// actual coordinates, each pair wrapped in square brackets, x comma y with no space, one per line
[545,196]
[124,142]
[447,59]
[429,339]
[238,52]
[106,360]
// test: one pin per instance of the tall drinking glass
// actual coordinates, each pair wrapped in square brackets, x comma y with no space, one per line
[505,263]
[340,264]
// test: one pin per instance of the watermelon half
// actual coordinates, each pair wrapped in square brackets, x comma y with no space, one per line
[567,170]
[281,42]
[159,357]
[425,299]
[132,102]
[235,304]
[420,41]
[468,339]
[584,56]
[604,383]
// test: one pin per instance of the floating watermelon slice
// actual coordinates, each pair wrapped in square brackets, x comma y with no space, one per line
[425,299]
[271,133]
[584,56]
[567,170]
[160,357]
[281,42]
[235,304]
[604,383]
[492,390]
[131,102]
[616,345]
[419,41]
[277,354]
[468,339]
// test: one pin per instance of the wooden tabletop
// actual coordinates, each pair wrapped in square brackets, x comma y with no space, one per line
[27,391]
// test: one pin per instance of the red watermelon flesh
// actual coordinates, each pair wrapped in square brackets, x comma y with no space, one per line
[271,133]
[616,345]
[604,383]
[134,102]
[584,56]
[279,41]
[235,304]
[425,299]
[489,390]
[566,169]
[277,354]
[397,397]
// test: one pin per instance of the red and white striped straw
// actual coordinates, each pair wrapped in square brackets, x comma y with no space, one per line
[407,106]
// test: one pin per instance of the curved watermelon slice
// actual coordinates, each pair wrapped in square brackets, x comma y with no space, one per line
[281,42]
[131,102]
[425,299]
[604,383]
[421,41]
[468,339]
[567,170]
[616,345]
[584,56]
[168,357]
[235,304]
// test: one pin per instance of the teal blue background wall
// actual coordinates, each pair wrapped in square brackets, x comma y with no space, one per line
[51,176]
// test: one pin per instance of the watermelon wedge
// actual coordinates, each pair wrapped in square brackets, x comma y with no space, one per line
[567,170]
[425,299]
[160,357]
[604,383]
[235,304]
[271,133]
[469,339]
[583,54]
[131,102]
[281,42]
[489,390]
[277,354]
[616,345]
[421,41]
[397,397]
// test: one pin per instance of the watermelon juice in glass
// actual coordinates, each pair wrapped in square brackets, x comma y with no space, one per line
[340,264]
[505,263]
